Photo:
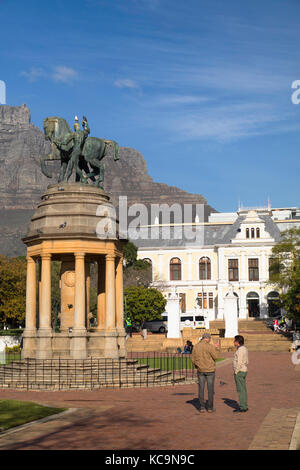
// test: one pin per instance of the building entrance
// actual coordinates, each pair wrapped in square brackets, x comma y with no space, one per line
[253,304]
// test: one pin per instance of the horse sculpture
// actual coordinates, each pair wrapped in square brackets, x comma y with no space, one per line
[91,150]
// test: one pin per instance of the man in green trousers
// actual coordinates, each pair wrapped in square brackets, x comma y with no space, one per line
[240,368]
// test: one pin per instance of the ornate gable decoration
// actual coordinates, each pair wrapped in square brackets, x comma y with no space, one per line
[252,230]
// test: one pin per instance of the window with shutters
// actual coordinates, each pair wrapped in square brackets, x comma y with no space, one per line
[233,269]
[253,269]
[204,268]
[175,269]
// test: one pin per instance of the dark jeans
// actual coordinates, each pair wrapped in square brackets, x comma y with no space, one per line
[208,377]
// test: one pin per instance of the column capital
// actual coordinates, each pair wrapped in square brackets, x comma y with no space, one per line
[79,255]
[30,259]
[46,256]
[110,257]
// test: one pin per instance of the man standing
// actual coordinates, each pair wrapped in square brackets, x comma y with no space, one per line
[204,357]
[240,368]
[128,328]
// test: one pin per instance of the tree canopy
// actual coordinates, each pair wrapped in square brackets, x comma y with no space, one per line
[12,290]
[137,272]
[285,271]
[143,304]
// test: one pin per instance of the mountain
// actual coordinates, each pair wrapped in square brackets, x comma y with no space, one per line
[22,183]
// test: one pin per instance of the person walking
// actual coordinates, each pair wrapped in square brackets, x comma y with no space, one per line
[240,368]
[128,328]
[144,330]
[204,357]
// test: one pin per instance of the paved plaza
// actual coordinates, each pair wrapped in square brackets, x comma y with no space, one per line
[168,417]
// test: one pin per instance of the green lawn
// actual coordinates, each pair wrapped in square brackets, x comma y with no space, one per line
[169,363]
[14,413]
[10,357]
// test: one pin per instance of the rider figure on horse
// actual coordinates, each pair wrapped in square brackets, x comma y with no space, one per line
[80,137]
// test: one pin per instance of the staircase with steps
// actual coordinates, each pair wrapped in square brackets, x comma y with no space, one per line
[153,342]
[66,374]
[258,337]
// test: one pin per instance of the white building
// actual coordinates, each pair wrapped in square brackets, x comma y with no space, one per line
[228,249]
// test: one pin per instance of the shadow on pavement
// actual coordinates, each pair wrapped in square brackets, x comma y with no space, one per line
[231,403]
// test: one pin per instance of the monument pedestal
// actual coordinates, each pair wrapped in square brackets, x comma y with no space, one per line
[231,315]
[44,344]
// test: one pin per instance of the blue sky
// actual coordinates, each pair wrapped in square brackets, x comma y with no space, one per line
[201,87]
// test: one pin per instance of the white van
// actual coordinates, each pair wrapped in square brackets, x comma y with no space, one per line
[191,321]
[187,320]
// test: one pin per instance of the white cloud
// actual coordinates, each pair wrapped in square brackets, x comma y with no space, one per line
[126,83]
[180,99]
[33,74]
[227,123]
[64,74]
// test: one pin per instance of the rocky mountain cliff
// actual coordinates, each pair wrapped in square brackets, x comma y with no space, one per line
[22,183]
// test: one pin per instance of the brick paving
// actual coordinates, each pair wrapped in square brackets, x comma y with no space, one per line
[167,417]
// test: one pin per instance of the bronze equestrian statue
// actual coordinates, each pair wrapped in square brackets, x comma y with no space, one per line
[76,150]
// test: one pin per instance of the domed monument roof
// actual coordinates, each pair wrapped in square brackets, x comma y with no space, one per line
[73,210]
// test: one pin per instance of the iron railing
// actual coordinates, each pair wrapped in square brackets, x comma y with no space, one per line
[141,369]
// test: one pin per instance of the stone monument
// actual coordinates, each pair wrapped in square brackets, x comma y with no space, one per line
[73,224]
[231,314]
[173,310]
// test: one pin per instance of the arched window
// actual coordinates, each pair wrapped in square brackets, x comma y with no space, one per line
[257,233]
[175,269]
[247,233]
[252,233]
[204,268]
[149,261]
[273,304]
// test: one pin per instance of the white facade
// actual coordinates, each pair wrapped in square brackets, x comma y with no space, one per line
[235,256]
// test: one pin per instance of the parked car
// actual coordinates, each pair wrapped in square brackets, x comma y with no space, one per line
[157,326]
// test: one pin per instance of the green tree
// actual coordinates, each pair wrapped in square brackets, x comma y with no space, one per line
[137,272]
[144,304]
[12,290]
[285,271]
[130,253]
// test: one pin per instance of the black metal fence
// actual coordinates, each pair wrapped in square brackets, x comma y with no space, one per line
[179,365]
[137,370]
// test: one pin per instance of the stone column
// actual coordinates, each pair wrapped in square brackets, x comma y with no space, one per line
[119,296]
[243,303]
[110,288]
[111,344]
[30,319]
[120,308]
[87,290]
[101,300]
[79,338]
[44,347]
